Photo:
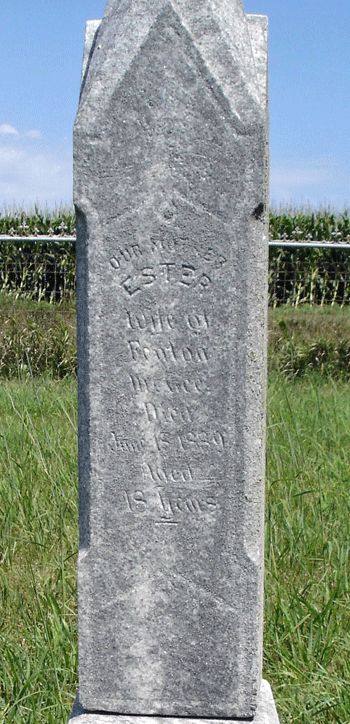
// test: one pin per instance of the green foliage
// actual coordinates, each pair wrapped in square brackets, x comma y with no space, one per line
[38,546]
[319,226]
[292,225]
[309,276]
[46,270]
[38,270]
[15,222]
[307,594]
[36,338]
[310,338]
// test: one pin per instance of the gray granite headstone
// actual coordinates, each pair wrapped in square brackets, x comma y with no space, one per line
[170,187]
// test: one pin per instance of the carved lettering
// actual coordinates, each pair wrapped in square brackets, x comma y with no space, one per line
[165,273]
[189,386]
[127,446]
[136,501]
[181,504]
[140,384]
[165,414]
[170,475]
[168,355]
[172,355]
[160,322]
[187,441]
[139,353]
[197,322]
[168,506]
[164,241]
[143,385]
[125,255]
[155,323]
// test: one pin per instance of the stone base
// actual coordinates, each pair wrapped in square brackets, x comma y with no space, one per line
[266,713]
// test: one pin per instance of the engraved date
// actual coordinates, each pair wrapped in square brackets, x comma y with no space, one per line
[169,506]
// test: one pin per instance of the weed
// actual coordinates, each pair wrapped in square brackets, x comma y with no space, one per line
[38,544]
[307,613]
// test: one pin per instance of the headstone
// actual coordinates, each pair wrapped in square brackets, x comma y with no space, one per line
[170,187]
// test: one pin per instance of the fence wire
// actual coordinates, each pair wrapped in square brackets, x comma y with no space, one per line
[309,274]
[43,268]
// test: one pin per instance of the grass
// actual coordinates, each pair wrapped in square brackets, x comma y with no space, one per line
[38,544]
[36,337]
[40,338]
[309,337]
[307,606]
[307,611]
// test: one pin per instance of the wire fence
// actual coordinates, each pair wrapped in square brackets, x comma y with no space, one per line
[306,273]
[43,268]
[38,267]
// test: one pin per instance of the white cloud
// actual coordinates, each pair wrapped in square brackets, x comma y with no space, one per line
[297,176]
[34,134]
[5,128]
[316,182]
[28,175]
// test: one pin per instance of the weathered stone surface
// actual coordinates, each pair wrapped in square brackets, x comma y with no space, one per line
[266,713]
[170,190]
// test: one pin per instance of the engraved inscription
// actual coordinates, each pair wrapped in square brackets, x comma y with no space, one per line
[162,475]
[139,254]
[165,274]
[166,414]
[191,441]
[155,323]
[171,244]
[167,506]
[185,385]
[136,501]
[127,446]
[126,254]
[167,355]
[179,504]
[159,322]
[141,384]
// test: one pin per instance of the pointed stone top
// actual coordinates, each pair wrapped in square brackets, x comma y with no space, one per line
[218,29]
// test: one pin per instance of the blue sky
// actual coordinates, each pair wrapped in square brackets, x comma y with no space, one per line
[41,45]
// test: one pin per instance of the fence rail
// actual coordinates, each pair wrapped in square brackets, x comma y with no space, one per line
[272,242]
[43,267]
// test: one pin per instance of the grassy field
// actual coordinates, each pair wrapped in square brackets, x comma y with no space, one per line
[307,598]
[38,545]
[306,338]
[38,338]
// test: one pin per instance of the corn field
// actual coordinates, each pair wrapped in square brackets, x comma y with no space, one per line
[37,257]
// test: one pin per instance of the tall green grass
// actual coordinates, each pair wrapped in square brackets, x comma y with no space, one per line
[38,546]
[40,338]
[307,609]
[307,597]
[308,338]
[36,338]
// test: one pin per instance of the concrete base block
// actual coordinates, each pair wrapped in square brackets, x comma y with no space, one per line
[266,714]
